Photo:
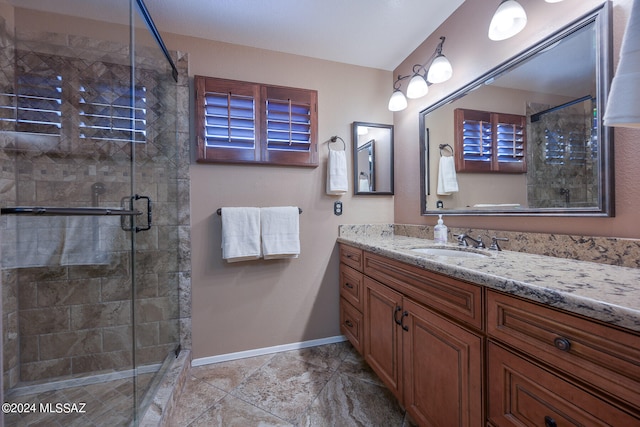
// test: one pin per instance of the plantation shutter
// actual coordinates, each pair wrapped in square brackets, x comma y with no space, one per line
[242,122]
[489,142]
[510,142]
[227,120]
[290,126]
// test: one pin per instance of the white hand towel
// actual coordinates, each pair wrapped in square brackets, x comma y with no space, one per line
[240,234]
[447,181]
[280,232]
[337,181]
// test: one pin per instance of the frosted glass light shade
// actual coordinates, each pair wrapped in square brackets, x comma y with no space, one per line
[509,19]
[397,102]
[417,87]
[440,70]
[553,1]
[623,105]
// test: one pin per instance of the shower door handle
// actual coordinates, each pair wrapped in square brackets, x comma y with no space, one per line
[149,216]
[123,221]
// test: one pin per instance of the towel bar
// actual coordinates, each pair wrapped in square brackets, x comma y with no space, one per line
[219,211]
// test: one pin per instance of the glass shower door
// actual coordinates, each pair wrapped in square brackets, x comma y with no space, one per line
[88,232]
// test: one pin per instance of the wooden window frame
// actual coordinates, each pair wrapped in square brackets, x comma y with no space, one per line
[265,150]
[494,164]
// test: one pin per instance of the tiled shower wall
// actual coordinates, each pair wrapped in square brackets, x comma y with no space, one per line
[64,320]
[550,176]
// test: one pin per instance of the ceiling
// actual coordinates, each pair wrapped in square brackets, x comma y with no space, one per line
[371,33]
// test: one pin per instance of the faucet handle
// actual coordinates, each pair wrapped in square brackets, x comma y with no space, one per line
[461,240]
[494,243]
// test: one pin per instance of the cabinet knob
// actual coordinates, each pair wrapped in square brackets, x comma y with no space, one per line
[348,323]
[549,422]
[348,285]
[562,344]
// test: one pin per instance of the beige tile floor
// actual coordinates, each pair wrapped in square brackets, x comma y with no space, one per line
[322,386]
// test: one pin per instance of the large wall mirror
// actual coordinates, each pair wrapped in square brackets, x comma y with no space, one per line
[558,160]
[372,158]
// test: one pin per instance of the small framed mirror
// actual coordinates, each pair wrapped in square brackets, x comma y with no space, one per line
[372,158]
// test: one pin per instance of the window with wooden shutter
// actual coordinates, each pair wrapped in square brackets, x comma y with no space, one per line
[490,142]
[241,122]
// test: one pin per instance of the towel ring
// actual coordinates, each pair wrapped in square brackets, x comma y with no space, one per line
[335,138]
[444,147]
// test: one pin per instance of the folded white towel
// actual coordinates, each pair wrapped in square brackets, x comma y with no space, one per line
[337,181]
[447,181]
[240,234]
[280,232]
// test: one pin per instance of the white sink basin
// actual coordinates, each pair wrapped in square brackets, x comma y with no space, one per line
[450,252]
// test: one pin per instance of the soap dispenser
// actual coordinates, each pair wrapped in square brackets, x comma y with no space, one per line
[440,232]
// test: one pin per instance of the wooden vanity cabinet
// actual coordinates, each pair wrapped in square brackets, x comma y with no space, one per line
[458,354]
[429,361]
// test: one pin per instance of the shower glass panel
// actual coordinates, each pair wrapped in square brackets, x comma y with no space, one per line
[90,310]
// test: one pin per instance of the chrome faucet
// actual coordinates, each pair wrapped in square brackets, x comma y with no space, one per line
[462,241]
[494,243]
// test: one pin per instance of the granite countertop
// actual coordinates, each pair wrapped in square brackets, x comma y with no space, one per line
[599,291]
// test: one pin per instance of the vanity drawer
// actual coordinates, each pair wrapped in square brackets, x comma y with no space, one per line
[522,393]
[351,256]
[351,286]
[454,298]
[605,357]
[351,324]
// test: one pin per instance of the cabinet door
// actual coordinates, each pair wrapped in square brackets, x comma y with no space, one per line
[382,335]
[442,370]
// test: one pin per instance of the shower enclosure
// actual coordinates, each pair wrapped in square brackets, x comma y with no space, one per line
[94,196]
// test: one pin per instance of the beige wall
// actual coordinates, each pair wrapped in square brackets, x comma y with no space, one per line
[472,54]
[251,305]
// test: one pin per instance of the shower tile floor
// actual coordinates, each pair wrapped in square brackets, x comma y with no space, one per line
[328,385]
[108,403]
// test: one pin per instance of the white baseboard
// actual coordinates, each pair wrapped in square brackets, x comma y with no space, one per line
[266,350]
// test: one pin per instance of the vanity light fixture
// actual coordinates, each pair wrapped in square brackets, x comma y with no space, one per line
[508,20]
[623,105]
[439,71]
